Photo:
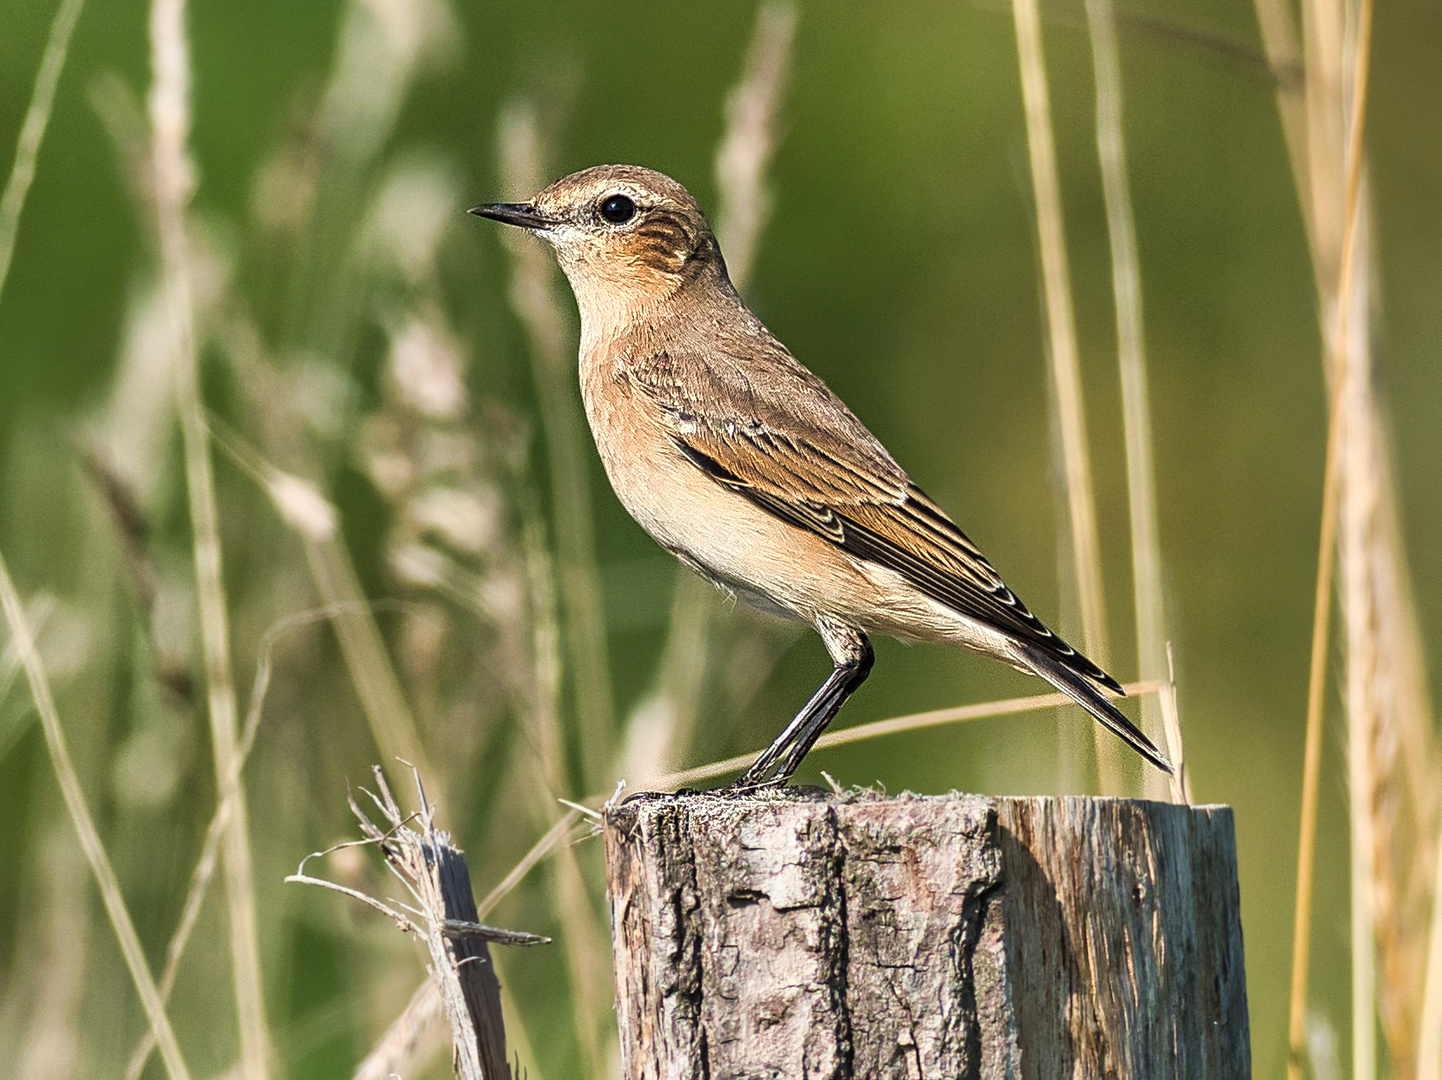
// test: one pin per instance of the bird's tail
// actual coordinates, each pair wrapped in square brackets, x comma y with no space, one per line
[1081,690]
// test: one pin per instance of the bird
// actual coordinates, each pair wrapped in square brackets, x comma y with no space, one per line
[743,464]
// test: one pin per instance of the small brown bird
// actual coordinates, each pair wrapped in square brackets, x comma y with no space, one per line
[747,468]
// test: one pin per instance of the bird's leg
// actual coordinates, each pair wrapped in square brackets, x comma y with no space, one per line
[854,674]
[852,655]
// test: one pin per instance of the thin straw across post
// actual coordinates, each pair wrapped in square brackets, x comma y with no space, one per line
[892,726]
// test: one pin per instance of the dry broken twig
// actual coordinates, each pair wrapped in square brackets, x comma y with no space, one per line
[444,914]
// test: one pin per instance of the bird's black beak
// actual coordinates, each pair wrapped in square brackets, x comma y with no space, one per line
[523,214]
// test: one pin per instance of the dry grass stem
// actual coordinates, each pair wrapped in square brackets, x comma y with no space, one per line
[173,178]
[749,141]
[1312,761]
[1062,351]
[105,880]
[392,724]
[893,726]
[53,1039]
[1131,361]
[534,299]
[1361,730]
[1181,779]
[32,130]
[1429,1037]
[204,870]
[411,1041]
[539,850]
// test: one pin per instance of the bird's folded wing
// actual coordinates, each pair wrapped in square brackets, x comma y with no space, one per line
[873,515]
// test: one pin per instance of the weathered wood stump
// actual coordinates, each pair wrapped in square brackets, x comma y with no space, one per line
[792,934]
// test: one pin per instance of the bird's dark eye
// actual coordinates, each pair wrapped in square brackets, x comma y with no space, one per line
[618,209]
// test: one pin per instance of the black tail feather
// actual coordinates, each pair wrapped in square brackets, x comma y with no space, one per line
[1080,690]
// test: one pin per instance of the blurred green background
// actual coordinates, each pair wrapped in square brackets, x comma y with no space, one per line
[899,264]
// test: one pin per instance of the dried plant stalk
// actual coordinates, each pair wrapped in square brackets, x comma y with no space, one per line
[1393,790]
[32,130]
[398,1044]
[173,178]
[748,144]
[534,299]
[106,881]
[1131,360]
[1064,361]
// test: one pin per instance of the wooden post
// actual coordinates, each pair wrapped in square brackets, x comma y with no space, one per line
[795,935]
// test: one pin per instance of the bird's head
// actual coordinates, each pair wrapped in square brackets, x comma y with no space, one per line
[627,238]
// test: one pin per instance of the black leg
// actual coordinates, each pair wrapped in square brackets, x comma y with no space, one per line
[855,676]
[853,657]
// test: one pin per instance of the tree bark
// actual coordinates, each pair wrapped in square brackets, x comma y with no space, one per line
[790,934]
